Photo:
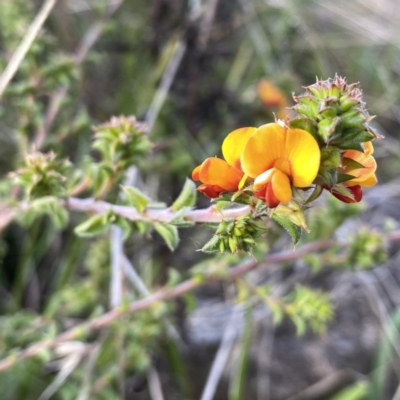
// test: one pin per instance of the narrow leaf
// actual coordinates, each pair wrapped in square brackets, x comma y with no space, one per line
[187,197]
[95,225]
[136,198]
[293,229]
[212,245]
[169,233]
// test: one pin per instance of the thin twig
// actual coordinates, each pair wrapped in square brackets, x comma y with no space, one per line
[25,44]
[90,367]
[139,285]
[155,387]
[116,267]
[210,214]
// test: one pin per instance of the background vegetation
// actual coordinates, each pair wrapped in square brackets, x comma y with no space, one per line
[319,322]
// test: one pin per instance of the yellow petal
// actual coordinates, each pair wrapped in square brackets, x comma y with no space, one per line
[371,181]
[234,143]
[368,148]
[303,152]
[293,151]
[242,181]
[217,172]
[281,186]
[367,161]
[263,147]
[365,181]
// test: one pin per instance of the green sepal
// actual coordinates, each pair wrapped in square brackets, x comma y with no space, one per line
[344,178]
[350,164]
[307,106]
[315,194]
[351,136]
[326,111]
[351,146]
[240,197]
[327,127]
[169,233]
[347,102]
[136,198]
[187,197]
[293,229]
[307,125]
[330,157]
[343,191]
[326,176]
[354,117]
[212,246]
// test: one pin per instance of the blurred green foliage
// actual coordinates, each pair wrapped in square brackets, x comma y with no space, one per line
[51,280]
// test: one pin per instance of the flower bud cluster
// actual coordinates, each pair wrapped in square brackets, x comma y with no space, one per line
[235,235]
[336,114]
[42,175]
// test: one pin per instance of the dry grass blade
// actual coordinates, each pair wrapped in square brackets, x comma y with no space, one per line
[25,45]
[220,359]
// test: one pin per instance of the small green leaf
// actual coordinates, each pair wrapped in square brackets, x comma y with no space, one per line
[125,225]
[48,205]
[169,233]
[220,205]
[212,245]
[179,218]
[136,198]
[293,229]
[187,197]
[95,225]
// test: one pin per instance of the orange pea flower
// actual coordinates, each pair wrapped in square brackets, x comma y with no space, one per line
[278,157]
[364,175]
[219,176]
[272,97]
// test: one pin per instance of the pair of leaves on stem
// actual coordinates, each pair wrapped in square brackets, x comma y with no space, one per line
[100,223]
